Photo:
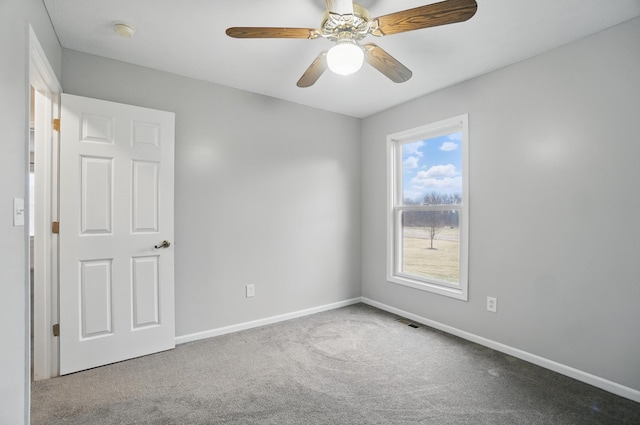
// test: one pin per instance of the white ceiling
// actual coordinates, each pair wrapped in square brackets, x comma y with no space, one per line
[187,37]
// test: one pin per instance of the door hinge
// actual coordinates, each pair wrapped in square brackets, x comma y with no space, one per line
[56,329]
[55,227]
[56,124]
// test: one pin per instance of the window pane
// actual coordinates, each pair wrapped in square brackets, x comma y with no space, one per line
[431,166]
[431,245]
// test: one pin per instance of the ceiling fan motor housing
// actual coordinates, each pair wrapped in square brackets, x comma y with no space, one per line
[353,26]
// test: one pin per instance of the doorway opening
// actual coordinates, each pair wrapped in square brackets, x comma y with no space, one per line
[44,94]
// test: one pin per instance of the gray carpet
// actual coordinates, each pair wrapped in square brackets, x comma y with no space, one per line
[354,365]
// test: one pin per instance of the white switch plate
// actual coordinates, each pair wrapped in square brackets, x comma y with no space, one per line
[251,291]
[492,304]
[18,212]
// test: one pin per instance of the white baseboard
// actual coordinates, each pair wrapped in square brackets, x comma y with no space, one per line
[562,369]
[263,322]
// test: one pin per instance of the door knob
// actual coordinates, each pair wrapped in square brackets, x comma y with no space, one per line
[163,244]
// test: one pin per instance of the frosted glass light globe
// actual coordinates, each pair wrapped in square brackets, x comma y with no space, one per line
[345,58]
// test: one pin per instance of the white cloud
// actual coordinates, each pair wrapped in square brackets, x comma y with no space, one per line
[413,148]
[438,176]
[455,136]
[428,183]
[411,162]
[448,146]
[436,171]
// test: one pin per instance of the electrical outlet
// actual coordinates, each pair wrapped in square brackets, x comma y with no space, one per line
[492,304]
[251,291]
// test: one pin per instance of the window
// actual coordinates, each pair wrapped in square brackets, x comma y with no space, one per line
[429,207]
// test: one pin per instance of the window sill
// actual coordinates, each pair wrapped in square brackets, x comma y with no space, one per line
[457,293]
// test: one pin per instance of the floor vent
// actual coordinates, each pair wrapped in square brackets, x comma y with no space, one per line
[408,323]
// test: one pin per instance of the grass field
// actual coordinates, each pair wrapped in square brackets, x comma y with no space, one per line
[439,263]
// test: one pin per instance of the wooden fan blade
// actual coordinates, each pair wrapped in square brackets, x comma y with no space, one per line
[266,32]
[431,15]
[340,7]
[385,63]
[315,70]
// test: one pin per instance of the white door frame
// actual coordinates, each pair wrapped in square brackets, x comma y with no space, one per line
[45,294]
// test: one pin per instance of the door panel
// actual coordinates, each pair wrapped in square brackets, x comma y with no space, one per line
[145,194]
[95,298]
[96,196]
[144,279]
[116,205]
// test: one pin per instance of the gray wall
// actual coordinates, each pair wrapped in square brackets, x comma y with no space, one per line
[267,192]
[554,234]
[14,83]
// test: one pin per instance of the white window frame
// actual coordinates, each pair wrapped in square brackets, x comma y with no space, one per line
[395,208]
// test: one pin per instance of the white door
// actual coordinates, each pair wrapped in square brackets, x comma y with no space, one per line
[116,209]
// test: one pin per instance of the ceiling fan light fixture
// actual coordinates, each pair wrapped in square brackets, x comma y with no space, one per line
[345,58]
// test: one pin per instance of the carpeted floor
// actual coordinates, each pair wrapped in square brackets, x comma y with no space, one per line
[354,365]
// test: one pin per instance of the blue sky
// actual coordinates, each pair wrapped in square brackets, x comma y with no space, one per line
[432,165]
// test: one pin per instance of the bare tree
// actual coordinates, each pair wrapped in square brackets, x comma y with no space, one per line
[433,225]
[433,222]
[436,220]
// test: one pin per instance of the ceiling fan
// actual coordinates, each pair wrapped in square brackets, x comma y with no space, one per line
[347,23]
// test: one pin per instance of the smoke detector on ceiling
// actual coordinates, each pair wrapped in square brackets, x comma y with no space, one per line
[124,30]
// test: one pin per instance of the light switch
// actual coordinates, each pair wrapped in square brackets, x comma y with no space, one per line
[18,212]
